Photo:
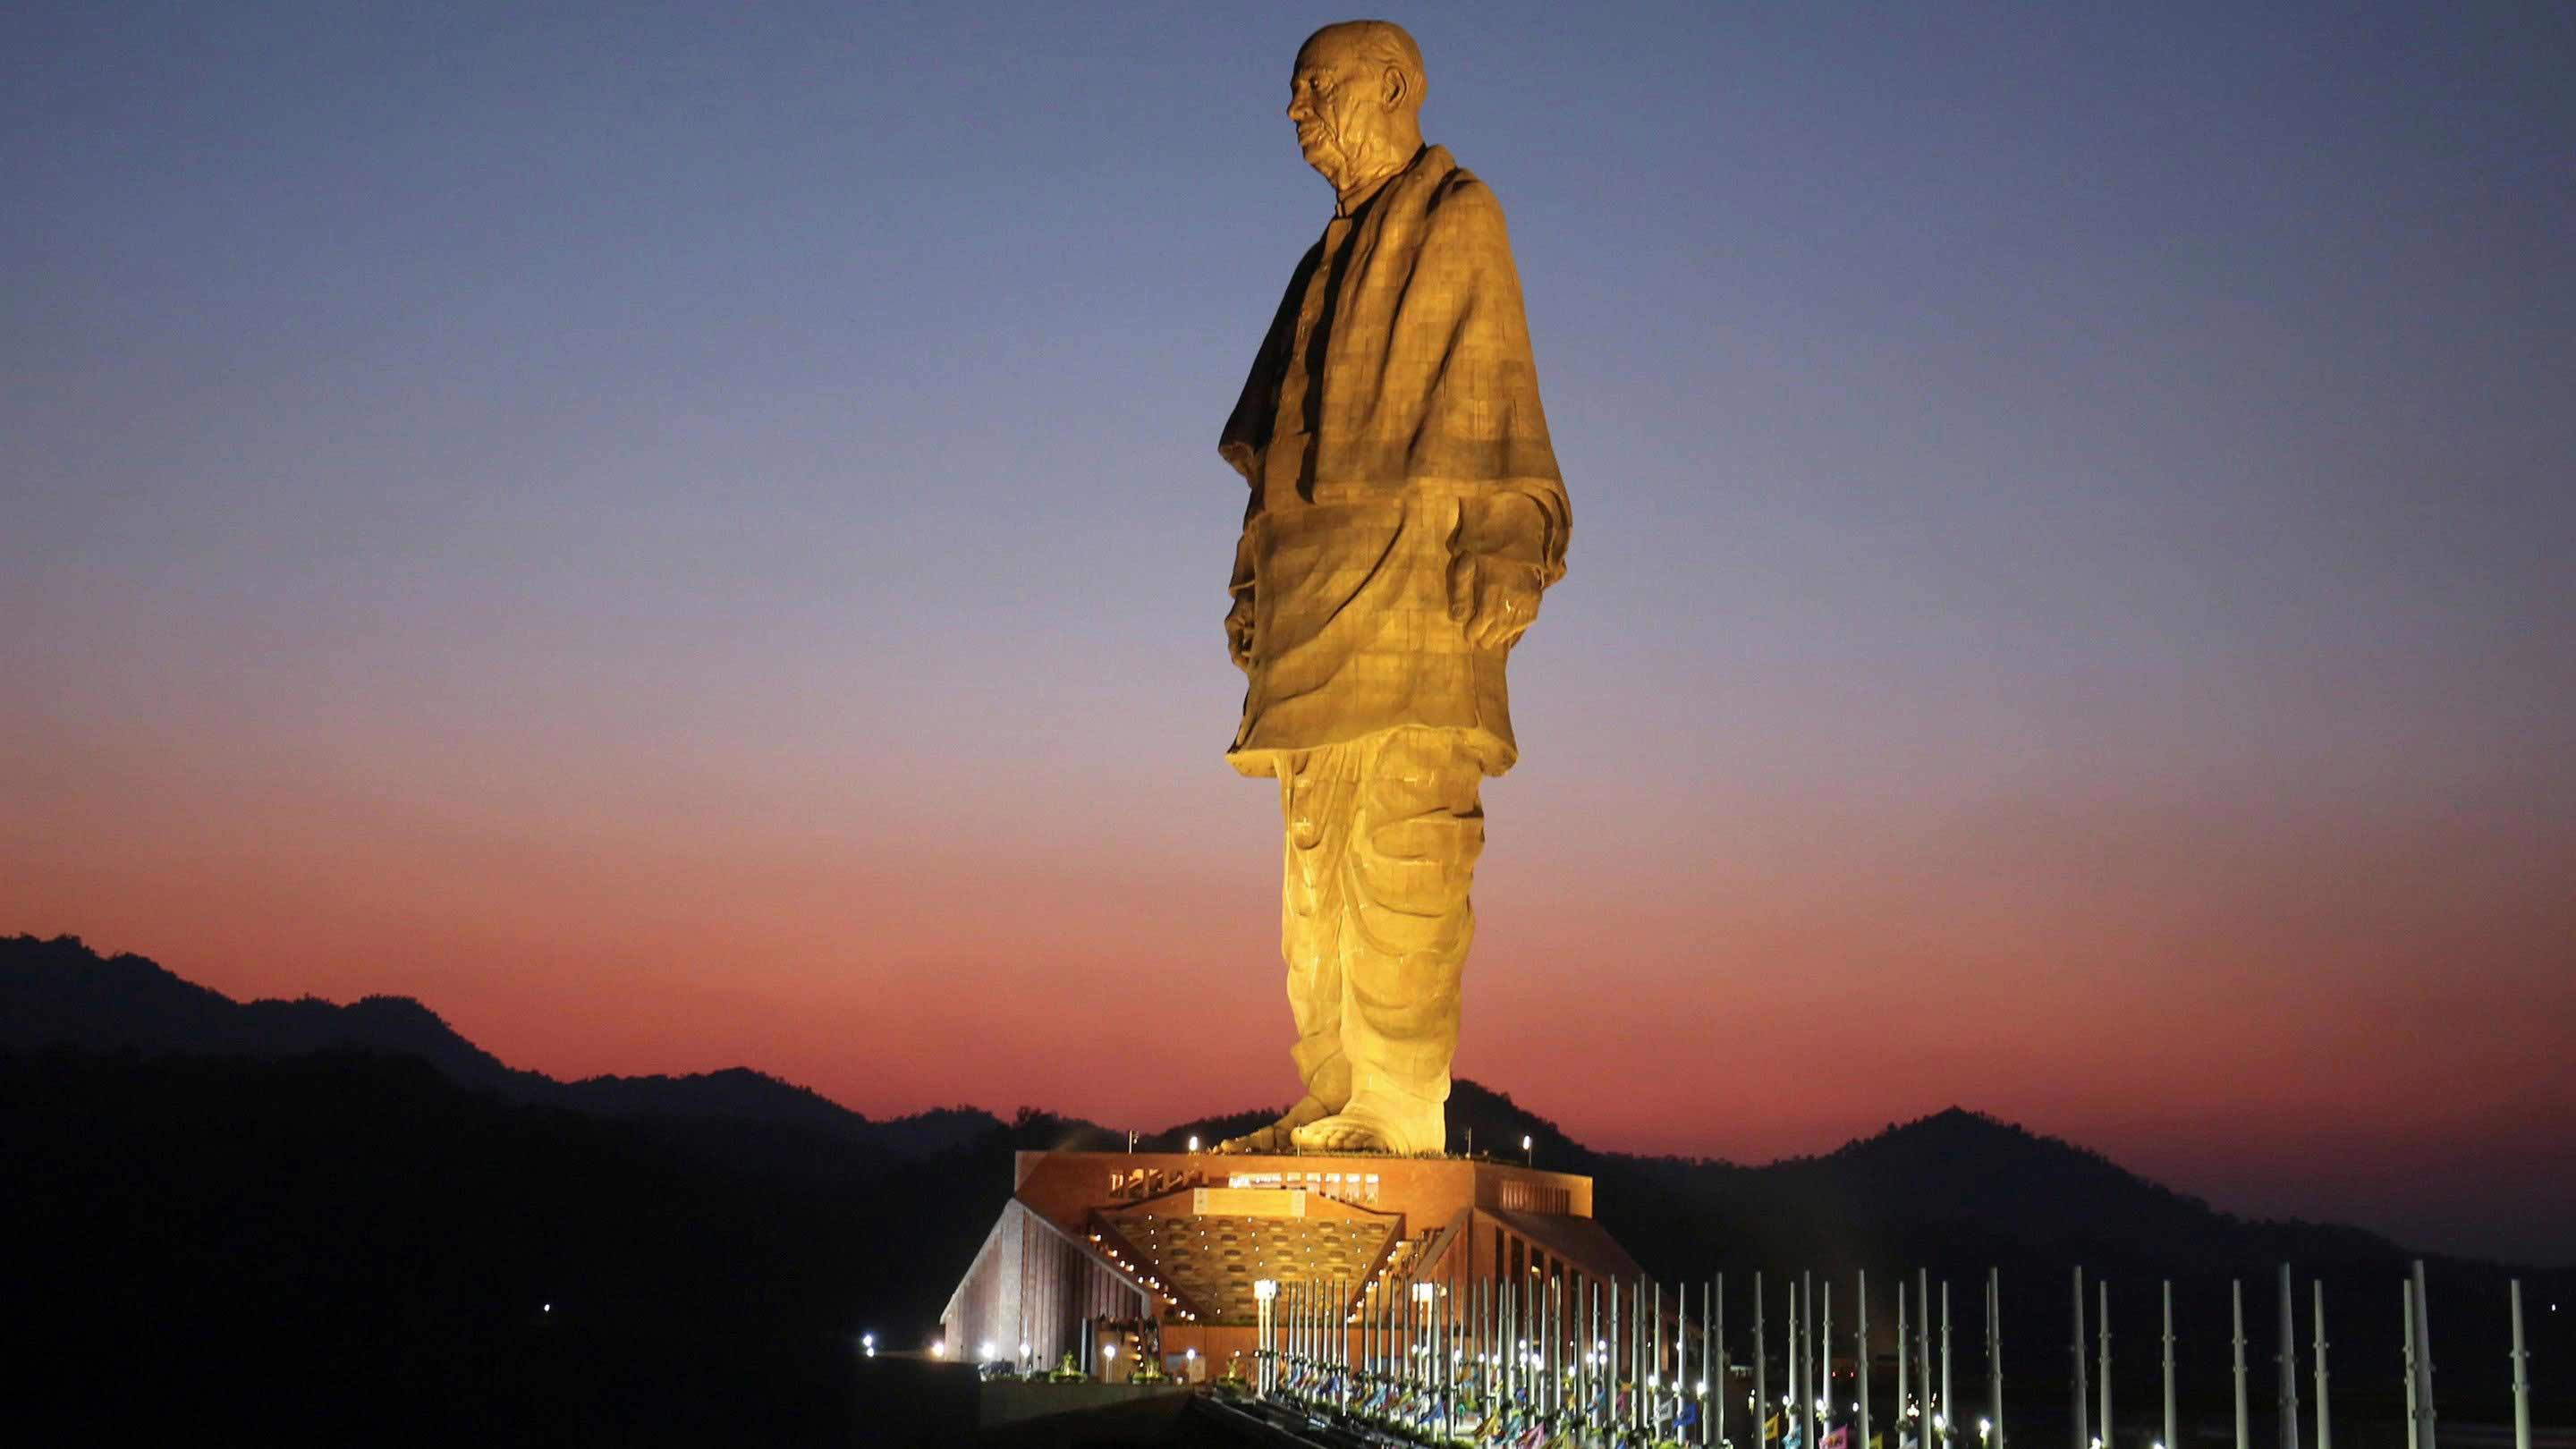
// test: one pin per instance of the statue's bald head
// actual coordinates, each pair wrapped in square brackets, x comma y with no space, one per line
[1377,44]
[1356,98]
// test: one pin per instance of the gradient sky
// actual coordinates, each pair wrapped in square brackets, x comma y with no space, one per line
[691,535]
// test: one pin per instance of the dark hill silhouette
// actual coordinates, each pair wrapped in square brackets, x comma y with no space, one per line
[1956,1176]
[211,1188]
[61,992]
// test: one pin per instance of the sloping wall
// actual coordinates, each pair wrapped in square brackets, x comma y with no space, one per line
[1033,1283]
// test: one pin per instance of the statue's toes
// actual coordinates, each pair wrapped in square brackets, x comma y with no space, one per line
[1339,1134]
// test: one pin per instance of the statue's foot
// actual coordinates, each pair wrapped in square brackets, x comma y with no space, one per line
[1278,1136]
[1376,1125]
[1341,1132]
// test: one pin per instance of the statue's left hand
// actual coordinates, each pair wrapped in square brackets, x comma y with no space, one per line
[1494,599]
[1238,631]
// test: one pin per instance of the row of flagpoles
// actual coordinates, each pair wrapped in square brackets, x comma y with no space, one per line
[1530,1363]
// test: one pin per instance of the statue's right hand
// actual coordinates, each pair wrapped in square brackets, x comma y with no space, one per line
[1238,632]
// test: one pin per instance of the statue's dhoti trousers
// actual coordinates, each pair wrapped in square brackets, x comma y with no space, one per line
[1383,835]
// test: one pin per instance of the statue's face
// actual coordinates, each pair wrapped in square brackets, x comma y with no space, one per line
[1337,100]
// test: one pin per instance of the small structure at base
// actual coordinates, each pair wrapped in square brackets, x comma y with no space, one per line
[1157,1254]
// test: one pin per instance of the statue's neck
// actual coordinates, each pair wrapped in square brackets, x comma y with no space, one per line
[1352,195]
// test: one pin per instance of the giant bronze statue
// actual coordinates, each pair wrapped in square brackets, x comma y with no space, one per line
[1405,515]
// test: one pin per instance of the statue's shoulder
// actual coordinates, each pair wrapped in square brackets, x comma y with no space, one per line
[1458,199]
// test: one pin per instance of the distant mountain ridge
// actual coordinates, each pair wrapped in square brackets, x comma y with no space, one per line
[362,1188]
[1953,1185]
[60,991]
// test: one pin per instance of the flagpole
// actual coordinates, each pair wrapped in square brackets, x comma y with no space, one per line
[1296,1320]
[1825,1362]
[2168,1441]
[1807,1391]
[1712,1365]
[1947,1417]
[1679,1364]
[1592,1350]
[1426,1313]
[2236,1296]
[2414,1421]
[1761,1372]
[1860,1347]
[1557,1364]
[2102,1326]
[1638,1349]
[1902,1390]
[1638,1353]
[1681,1354]
[1789,1420]
[2083,1436]
[2424,1358]
[2325,1429]
[1995,1355]
[2521,1376]
[2289,1365]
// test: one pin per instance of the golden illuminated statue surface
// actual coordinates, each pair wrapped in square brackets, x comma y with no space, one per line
[1405,515]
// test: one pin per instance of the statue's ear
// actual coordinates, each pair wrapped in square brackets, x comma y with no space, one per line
[1392,88]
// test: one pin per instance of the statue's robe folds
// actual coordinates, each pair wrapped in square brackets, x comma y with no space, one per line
[1390,429]
[1399,464]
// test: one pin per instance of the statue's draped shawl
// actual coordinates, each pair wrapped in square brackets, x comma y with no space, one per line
[1391,422]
